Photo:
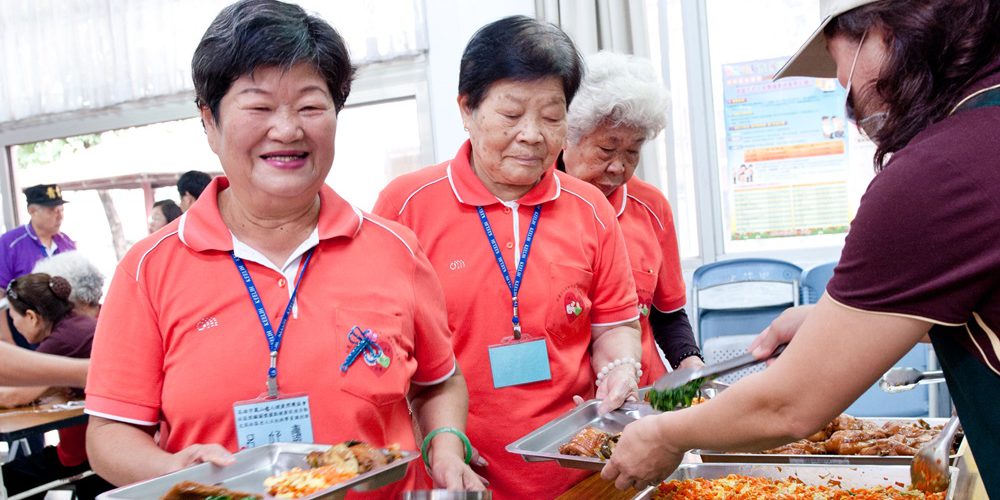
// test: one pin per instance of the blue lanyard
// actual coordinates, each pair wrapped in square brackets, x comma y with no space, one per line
[515,285]
[273,338]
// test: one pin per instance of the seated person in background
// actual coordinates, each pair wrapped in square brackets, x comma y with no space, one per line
[42,311]
[164,212]
[190,185]
[85,279]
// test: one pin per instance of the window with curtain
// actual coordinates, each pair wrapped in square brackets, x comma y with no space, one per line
[58,56]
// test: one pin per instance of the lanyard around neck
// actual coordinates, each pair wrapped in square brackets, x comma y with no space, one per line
[515,284]
[273,337]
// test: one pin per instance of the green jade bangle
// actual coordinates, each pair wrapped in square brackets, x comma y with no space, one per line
[452,430]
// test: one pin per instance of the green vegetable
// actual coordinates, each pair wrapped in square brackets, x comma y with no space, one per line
[672,399]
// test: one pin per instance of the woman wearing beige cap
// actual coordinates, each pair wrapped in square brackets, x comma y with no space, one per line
[923,78]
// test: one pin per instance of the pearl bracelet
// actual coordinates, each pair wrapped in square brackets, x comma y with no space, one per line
[630,361]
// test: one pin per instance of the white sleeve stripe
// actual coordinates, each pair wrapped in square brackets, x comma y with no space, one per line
[592,207]
[616,323]
[651,212]
[454,367]
[400,238]
[119,419]
[138,268]
[414,193]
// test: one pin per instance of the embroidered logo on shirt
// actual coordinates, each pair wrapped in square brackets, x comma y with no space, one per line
[456,264]
[573,307]
[206,323]
[644,309]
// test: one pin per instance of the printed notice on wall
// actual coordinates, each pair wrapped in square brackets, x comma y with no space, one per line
[786,150]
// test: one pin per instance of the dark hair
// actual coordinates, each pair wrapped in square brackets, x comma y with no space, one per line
[193,182]
[936,49]
[518,48]
[170,209]
[252,34]
[46,295]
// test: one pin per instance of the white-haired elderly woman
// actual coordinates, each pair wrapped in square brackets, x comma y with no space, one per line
[620,106]
[86,280]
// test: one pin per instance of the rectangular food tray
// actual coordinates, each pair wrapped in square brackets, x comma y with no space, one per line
[848,476]
[543,443]
[720,457]
[253,466]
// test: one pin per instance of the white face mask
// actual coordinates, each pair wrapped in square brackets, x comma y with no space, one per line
[871,124]
[854,64]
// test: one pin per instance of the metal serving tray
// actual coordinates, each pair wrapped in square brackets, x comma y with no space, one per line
[253,466]
[721,457]
[849,476]
[543,443]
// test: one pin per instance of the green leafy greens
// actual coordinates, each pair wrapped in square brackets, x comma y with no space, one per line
[679,397]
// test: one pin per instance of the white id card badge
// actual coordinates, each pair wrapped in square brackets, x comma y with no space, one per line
[265,421]
[519,362]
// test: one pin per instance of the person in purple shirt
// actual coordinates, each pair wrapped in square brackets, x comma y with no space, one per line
[23,246]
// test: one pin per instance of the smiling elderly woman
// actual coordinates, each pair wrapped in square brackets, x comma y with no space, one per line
[272,288]
[532,330]
[619,107]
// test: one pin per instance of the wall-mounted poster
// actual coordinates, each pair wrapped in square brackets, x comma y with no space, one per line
[786,169]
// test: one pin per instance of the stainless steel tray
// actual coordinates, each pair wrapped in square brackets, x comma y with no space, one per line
[253,466]
[849,476]
[543,443]
[721,457]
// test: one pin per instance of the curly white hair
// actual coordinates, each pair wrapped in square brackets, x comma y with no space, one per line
[86,280]
[618,90]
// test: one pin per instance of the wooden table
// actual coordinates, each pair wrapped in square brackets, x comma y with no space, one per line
[595,487]
[23,421]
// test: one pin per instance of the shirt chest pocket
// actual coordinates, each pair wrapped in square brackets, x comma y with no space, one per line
[645,288]
[372,355]
[568,303]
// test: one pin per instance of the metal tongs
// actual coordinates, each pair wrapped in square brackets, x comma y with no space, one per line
[903,379]
[681,376]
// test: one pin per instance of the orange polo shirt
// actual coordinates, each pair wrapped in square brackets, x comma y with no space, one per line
[577,276]
[179,341]
[648,225]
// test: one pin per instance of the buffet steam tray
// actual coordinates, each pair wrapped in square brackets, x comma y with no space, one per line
[543,443]
[844,476]
[767,458]
[254,465]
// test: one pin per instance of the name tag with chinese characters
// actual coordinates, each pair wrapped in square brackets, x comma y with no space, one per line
[519,362]
[264,421]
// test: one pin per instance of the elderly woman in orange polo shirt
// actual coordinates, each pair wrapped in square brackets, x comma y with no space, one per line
[533,262]
[263,293]
[621,105]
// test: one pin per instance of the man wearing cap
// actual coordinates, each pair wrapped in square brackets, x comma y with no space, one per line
[922,256]
[23,246]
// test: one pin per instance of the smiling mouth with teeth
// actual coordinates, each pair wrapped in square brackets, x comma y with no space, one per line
[285,157]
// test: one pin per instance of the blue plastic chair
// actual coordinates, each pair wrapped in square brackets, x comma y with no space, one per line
[813,282]
[913,403]
[745,312]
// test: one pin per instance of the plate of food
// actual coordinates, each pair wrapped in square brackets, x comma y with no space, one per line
[279,470]
[850,440]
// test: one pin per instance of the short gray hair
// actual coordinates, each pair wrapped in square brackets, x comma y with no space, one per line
[86,280]
[618,90]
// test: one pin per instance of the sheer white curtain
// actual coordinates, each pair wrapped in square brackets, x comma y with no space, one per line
[66,55]
[594,25]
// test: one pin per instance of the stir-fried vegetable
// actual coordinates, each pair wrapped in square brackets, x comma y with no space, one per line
[672,399]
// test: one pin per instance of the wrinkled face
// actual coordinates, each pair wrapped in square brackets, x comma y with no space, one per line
[156,219]
[45,218]
[606,157]
[517,131]
[275,135]
[866,56]
[29,324]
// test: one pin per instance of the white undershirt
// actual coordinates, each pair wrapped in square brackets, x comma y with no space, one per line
[291,267]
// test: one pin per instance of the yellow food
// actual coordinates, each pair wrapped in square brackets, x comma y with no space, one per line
[737,487]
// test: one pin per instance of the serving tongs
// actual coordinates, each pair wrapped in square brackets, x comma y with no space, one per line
[682,376]
[929,468]
[903,379]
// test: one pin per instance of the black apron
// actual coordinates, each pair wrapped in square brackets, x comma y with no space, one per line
[974,388]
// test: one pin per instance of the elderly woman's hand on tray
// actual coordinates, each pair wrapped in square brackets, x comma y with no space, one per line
[201,453]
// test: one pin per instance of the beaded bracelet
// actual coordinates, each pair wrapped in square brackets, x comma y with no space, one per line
[630,361]
[461,435]
[685,355]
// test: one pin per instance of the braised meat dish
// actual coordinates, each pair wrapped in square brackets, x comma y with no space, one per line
[847,435]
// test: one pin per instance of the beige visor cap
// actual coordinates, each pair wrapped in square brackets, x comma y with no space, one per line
[812,58]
